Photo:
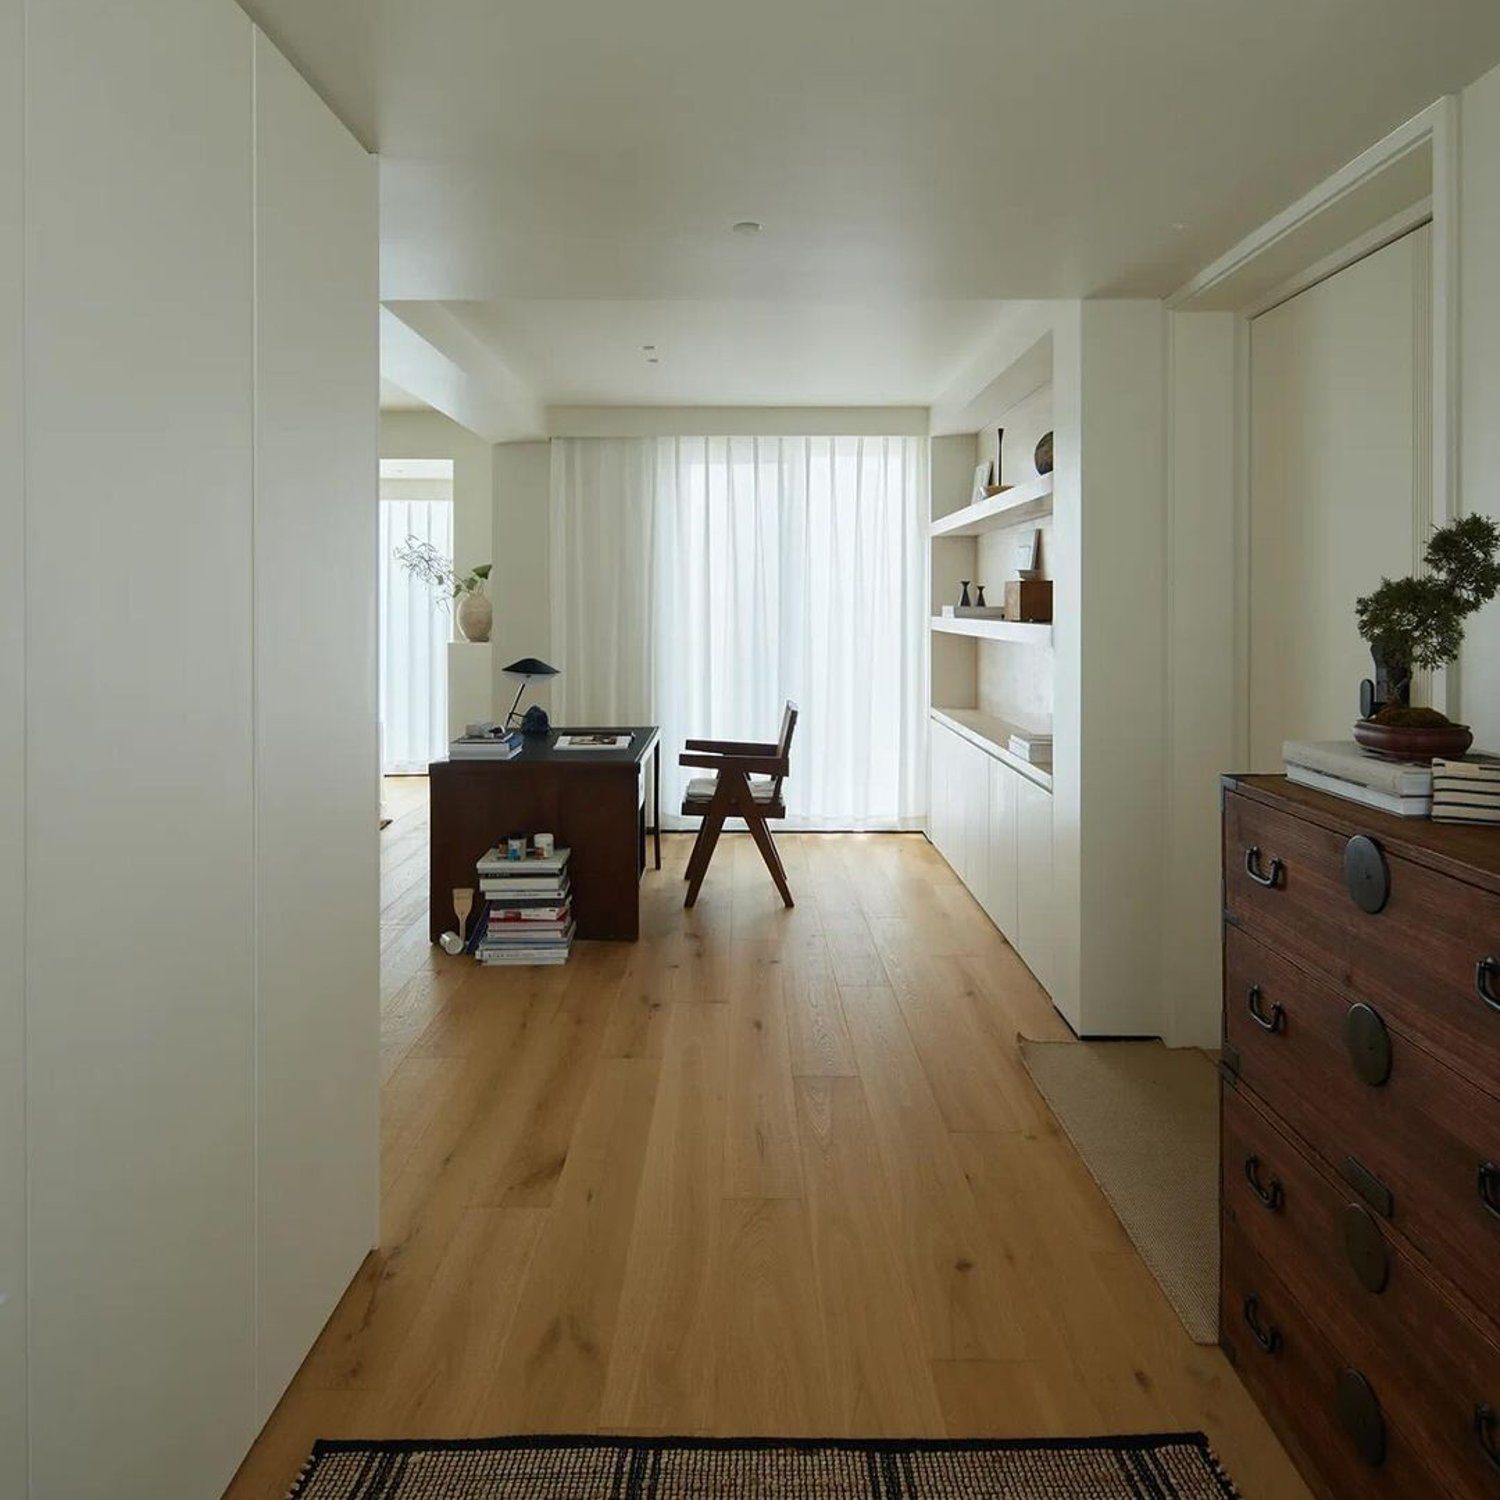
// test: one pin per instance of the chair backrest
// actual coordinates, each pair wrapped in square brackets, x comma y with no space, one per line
[784,742]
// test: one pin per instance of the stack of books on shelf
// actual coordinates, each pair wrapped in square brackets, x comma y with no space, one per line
[528,909]
[1033,745]
[1466,791]
[485,742]
[1402,787]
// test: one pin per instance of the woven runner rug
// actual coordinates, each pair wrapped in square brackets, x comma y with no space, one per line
[1157,1467]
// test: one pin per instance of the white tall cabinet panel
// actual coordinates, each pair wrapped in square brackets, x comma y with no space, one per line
[1001,902]
[317,877]
[140,836]
[12,770]
[1036,914]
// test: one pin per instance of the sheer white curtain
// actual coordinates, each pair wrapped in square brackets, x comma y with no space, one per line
[701,582]
[415,626]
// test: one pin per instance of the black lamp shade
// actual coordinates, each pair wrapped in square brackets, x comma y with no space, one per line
[529,666]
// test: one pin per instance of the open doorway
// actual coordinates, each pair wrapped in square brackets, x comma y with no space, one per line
[416,503]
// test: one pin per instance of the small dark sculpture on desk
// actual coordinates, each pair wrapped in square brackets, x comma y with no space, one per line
[535,721]
[1419,622]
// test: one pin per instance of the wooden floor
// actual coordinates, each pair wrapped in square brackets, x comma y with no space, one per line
[764,1171]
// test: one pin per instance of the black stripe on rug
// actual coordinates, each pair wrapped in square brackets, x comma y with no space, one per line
[1149,1466]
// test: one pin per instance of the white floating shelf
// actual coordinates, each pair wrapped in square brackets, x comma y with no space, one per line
[992,735]
[994,630]
[1022,502]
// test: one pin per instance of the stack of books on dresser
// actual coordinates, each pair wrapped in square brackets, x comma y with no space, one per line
[486,742]
[528,909]
[1402,787]
[1466,791]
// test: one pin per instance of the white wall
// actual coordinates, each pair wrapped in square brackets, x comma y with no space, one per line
[1479,381]
[140,962]
[194,475]
[317,861]
[1201,688]
[523,579]
[12,769]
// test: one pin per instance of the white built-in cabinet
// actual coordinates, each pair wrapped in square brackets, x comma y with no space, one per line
[200,877]
[993,825]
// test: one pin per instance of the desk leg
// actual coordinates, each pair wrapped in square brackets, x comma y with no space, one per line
[656,799]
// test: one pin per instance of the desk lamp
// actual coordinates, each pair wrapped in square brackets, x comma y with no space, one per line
[536,721]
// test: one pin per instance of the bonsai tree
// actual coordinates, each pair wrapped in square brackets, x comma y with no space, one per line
[1419,622]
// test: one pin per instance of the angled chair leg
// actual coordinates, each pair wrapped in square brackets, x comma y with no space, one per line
[760,831]
[713,825]
[692,864]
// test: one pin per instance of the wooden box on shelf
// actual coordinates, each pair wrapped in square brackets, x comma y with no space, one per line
[1029,599]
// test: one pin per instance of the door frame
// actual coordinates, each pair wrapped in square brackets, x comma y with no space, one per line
[1367,204]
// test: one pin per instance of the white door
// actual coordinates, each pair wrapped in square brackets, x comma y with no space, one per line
[1340,474]
[1001,904]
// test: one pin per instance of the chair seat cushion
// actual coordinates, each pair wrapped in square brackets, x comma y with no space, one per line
[701,788]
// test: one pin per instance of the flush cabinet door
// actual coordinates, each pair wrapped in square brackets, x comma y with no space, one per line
[1035,920]
[1001,896]
[974,780]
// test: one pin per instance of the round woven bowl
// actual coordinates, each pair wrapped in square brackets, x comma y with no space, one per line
[1406,742]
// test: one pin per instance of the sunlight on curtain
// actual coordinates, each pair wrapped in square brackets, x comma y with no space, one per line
[415,628]
[701,582]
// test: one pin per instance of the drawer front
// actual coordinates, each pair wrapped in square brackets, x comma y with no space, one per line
[1425,1134]
[1430,1363]
[1419,958]
[1295,1376]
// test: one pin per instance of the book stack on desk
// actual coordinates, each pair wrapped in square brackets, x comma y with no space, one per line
[486,742]
[528,909]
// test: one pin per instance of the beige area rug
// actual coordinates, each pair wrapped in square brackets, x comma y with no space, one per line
[1145,1120]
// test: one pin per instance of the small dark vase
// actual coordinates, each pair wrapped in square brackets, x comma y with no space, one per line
[1392,681]
[1043,455]
[980,601]
[963,603]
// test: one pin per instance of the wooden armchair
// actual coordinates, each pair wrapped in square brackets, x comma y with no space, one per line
[732,794]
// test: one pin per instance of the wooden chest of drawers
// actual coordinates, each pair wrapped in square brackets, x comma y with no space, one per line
[1360,1186]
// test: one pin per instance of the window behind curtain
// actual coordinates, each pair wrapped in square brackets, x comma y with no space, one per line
[416,499]
[701,582]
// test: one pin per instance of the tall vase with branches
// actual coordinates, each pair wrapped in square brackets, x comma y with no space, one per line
[473,612]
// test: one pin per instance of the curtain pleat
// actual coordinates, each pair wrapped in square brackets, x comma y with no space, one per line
[699,583]
[415,629]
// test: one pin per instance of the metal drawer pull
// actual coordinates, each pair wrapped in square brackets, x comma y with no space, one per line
[1485,973]
[1485,1421]
[1269,1337]
[1268,1020]
[1489,1187]
[1269,1193]
[1267,878]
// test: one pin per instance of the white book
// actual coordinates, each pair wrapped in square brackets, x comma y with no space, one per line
[1482,769]
[1344,760]
[494,862]
[592,742]
[1354,791]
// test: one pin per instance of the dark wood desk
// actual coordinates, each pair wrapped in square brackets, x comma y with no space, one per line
[593,802]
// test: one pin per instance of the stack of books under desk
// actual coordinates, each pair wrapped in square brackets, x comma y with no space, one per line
[527,916]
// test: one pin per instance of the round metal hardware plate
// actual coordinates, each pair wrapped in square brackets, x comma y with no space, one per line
[1368,1043]
[1366,874]
[1359,1413]
[1365,1246]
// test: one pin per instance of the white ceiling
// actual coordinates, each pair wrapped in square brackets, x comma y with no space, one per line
[902,155]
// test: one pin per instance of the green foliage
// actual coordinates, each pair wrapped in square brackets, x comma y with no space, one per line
[424,561]
[1419,622]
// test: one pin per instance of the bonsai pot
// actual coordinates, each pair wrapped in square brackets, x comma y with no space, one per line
[1411,741]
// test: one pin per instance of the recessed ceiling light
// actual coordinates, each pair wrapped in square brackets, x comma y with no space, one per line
[1180,227]
[747,226]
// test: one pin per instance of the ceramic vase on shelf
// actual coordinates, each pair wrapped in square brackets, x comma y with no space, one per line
[475,615]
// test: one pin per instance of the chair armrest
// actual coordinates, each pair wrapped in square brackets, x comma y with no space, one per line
[765,765]
[731,747]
